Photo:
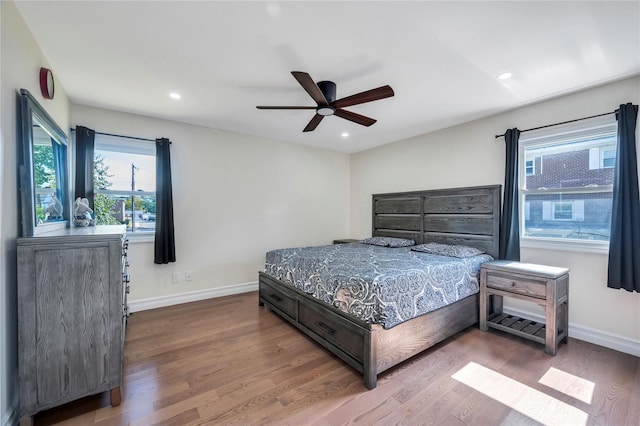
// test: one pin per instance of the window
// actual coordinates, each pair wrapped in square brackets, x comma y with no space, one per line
[602,157]
[533,166]
[608,158]
[125,183]
[570,200]
[530,167]
[563,210]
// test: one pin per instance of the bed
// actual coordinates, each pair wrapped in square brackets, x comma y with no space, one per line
[383,336]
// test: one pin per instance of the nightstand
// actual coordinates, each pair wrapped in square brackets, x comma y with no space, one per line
[345,241]
[547,286]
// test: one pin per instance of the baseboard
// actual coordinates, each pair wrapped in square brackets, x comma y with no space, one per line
[192,296]
[597,337]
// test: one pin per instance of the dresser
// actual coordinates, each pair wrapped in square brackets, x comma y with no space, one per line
[72,314]
[544,285]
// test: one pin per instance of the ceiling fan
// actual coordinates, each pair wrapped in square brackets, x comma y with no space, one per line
[324,94]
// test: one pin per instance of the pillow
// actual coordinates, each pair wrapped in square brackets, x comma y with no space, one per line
[448,250]
[388,242]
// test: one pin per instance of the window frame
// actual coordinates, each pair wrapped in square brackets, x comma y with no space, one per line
[601,126]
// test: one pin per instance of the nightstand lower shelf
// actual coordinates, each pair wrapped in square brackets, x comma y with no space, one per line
[522,327]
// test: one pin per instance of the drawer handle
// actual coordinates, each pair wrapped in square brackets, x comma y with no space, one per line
[513,283]
[326,328]
[275,297]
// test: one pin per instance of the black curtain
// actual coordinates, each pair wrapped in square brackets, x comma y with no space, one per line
[624,243]
[510,220]
[85,139]
[164,249]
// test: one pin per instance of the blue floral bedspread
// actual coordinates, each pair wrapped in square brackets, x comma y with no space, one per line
[379,285]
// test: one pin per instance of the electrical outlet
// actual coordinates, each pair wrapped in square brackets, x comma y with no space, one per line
[188,276]
[175,278]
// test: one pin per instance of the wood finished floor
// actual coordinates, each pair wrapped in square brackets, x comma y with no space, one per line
[228,361]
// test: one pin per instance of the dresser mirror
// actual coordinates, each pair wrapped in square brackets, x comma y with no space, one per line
[43,169]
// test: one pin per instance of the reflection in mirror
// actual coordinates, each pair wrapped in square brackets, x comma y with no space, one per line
[48,205]
[43,170]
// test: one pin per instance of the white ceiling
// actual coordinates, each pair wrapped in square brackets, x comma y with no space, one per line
[224,58]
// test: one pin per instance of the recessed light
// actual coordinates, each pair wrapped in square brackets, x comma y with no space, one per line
[274,9]
[504,76]
[175,95]
[344,134]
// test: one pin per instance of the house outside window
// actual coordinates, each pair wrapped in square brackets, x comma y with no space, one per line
[125,183]
[570,200]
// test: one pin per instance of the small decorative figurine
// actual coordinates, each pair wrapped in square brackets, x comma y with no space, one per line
[54,210]
[82,212]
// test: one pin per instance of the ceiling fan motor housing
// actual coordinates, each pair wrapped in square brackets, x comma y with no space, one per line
[328,89]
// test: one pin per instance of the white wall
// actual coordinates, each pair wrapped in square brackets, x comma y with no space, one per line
[20,66]
[235,197]
[469,155]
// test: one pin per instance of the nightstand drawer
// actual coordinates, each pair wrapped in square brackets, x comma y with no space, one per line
[527,287]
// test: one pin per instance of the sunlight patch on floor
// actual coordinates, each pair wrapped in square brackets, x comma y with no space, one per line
[526,400]
[568,384]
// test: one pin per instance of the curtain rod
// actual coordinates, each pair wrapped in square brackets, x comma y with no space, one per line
[564,122]
[73,129]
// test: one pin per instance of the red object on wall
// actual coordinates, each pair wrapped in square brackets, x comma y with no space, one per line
[46,83]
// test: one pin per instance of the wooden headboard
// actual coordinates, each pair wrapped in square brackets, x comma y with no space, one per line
[468,216]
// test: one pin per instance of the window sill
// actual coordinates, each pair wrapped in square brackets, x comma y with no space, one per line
[598,247]
[136,238]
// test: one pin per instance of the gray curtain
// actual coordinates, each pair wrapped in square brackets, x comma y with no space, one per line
[164,245]
[85,142]
[510,220]
[624,243]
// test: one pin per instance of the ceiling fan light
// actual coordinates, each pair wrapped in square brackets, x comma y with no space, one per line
[325,110]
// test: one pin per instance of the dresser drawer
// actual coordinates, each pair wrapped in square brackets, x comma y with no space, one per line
[520,285]
[333,329]
[277,298]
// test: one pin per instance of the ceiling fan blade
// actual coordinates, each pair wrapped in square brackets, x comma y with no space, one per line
[286,107]
[362,97]
[313,123]
[311,87]
[356,118]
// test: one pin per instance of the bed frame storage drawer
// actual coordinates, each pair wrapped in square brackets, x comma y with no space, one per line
[333,329]
[285,303]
